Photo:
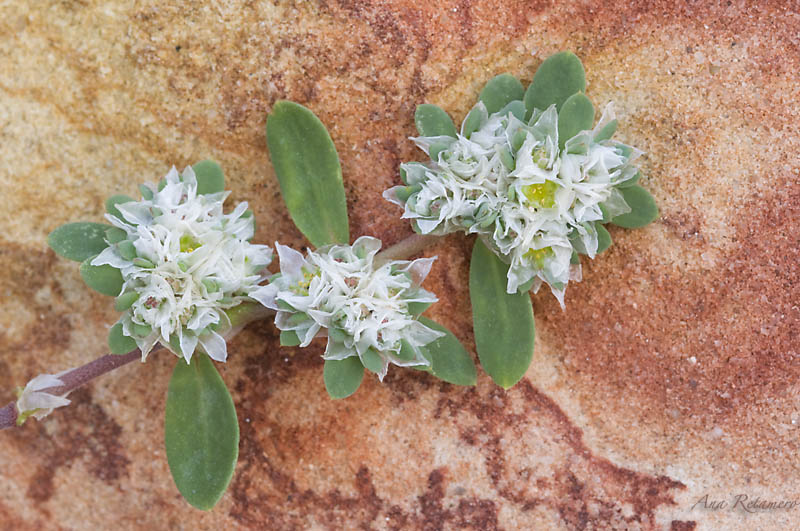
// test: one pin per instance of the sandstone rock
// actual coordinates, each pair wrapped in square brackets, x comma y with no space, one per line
[672,375]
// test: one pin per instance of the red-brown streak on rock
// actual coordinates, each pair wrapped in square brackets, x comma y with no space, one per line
[83,430]
[5,380]
[27,270]
[477,514]
[434,515]
[466,23]
[255,506]
[11,522]
[608,22]
[744,325]
[568,491]
[678,525]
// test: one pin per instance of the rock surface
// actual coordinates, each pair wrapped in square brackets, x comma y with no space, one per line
[672,375]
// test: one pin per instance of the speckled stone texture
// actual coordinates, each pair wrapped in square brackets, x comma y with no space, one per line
[673,373]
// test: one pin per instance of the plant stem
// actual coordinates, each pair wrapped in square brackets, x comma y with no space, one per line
[407,248]
[8,416]
[86,373]
[76,378]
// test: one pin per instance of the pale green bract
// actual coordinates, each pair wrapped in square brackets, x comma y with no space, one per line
[184,263]
[531,203]
[365,309]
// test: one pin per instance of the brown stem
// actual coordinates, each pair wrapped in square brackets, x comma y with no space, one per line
[8,416]
[86,373]
[407,248]
[76,378]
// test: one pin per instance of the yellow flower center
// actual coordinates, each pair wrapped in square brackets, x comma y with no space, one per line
[301,288]
[188,244]
[538,256]
[541,195]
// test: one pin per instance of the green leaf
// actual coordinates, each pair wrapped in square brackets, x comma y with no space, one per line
[115,235]
[517,108]
[372,360]
[210,179]
[404,193]
[630,182]
[577,114]
[103,279]
[643,208]
[606,132]
[436,148]
[606,214]
[201,433]
[125,301]
[431,120]
[78,241]
[472,122]
[342,377]
[603,238]
[113,201]
[449,359]
[146,192]
[416,308]
[503,323]
[500,91]
[127,250]
[309,173]
[118,342]
[289,338]
[558,77]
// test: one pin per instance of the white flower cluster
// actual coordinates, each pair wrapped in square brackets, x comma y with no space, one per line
[531,202]
[184,263]
[365,309]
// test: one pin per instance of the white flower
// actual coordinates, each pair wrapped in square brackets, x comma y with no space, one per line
[184,263]
[460,190]
[531,202]
[365,309]
[33,401]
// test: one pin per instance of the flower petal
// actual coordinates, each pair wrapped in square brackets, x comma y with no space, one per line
[214,345]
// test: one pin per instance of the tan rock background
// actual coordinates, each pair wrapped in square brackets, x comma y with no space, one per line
[672,375]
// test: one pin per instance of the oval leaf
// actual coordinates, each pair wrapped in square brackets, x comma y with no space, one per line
[558,77]
[603,238]
[449,359]
[632,181]
[201,433]
[577,114]
[431,120]
[372,361]
[643,208]
[210,179]
[517,108]
[309,173]
[343,377]
[503,323]
[113,201]
[103,279]
[118,342]
[289,338]
[606,132]
[78,241]
[500,91]
[472,122]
